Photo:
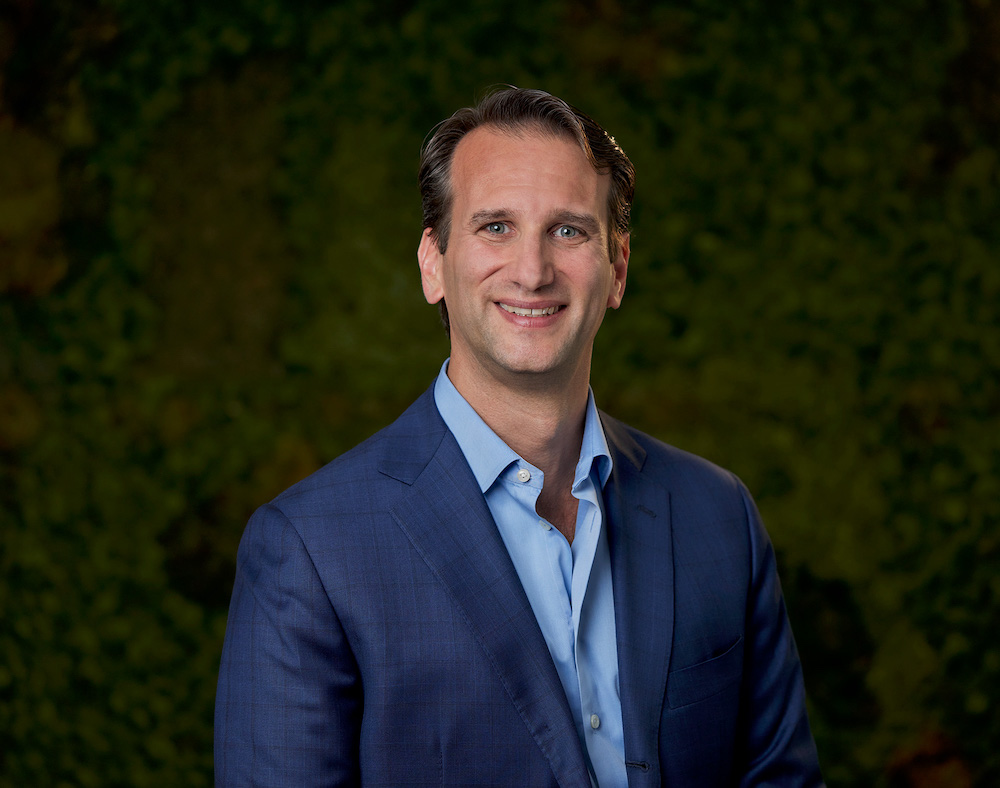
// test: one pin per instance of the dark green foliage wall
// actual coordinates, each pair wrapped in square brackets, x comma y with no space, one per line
[208,219]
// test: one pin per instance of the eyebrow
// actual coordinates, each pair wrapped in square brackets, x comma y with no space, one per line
[585,221]
[487,216]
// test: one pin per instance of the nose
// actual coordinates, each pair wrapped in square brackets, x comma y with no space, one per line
[533,267]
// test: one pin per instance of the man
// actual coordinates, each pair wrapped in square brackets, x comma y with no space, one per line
[507,587]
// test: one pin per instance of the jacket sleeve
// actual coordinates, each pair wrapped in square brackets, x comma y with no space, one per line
[778,745]
[288,704]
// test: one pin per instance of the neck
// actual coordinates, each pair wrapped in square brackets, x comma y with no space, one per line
[540,419]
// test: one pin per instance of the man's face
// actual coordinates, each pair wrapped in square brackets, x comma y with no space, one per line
[526,277]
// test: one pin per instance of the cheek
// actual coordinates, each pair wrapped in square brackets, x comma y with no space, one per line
[459,283]
[475,267]
[601,279]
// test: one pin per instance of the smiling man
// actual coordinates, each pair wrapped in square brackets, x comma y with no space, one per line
[506,586]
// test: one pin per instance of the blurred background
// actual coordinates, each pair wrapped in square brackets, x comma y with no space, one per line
[208,288]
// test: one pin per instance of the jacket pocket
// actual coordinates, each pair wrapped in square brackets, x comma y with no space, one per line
[705,679]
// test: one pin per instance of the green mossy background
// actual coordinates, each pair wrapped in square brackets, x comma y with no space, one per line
[208,219]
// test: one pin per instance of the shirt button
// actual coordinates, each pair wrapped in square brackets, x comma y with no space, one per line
[523,475]
[595,721]
[545,525]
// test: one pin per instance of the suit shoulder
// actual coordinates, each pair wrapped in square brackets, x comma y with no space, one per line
[709,505]
[370,471]
[668,464]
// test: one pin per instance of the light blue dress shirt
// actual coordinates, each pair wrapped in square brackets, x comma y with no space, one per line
[568,586]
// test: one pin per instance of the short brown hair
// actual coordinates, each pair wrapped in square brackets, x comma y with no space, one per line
[516,109]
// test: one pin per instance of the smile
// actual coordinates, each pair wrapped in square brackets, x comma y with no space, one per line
[516,310]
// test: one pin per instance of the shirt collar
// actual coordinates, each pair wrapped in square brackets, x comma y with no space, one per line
[489,456]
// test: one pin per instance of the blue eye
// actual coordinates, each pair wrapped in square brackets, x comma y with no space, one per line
[496,228]
[565,231]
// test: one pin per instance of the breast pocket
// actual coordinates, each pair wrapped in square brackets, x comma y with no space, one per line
[705,679]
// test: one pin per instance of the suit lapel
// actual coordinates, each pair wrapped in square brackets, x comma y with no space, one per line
[641,547]
[445,517]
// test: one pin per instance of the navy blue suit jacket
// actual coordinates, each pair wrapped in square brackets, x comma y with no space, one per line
[379,635]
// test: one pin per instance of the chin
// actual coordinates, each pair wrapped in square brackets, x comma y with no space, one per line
[534,365]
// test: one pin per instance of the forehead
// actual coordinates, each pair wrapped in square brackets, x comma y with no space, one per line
[533,167]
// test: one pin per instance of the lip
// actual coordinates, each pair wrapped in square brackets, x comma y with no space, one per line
[533,315]
[528,310]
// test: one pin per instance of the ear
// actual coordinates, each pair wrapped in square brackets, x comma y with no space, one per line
[429,259]
[619,267]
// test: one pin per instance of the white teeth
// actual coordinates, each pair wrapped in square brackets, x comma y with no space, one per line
[516,310]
